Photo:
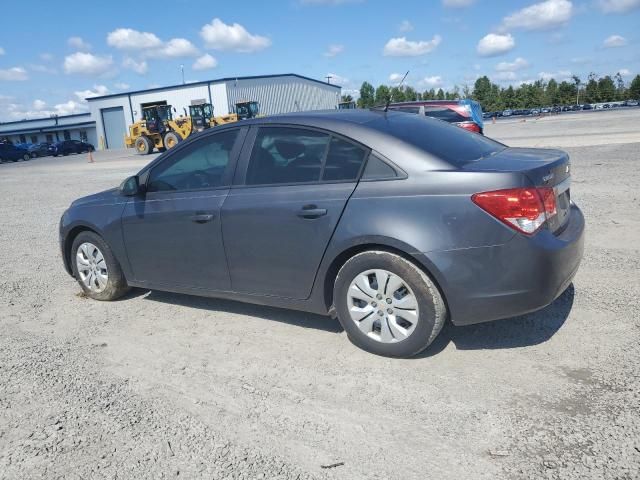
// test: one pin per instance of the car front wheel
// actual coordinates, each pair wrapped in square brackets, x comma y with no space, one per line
[387,305]
[96,268]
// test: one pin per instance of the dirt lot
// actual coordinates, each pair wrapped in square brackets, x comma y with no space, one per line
[160,385]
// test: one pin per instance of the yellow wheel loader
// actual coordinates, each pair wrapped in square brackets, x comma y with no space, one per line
[157,129]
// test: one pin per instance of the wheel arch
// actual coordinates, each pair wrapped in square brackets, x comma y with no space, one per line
[402,250]
[68,243]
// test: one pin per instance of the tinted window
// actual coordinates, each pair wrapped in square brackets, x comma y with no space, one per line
[201,165]
[446,114]
[406,109]
[378,169]
[448,142]
[343,161]
[286,155]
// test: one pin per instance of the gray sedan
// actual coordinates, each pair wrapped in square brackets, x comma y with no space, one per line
[392,222]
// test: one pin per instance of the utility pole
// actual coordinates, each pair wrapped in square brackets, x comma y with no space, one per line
[182,69]
[328,77]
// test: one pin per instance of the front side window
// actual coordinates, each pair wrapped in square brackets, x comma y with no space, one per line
[200,166]
[283,155]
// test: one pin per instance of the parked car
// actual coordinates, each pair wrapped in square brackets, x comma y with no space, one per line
[631,103]
[392,222]
[587,106]
[507,113]
[546,110]
[535,111]
[464,113]
[66,147]
[39,150]
[13,153]
[556,109]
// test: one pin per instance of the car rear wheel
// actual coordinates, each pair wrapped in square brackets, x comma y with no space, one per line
[26,157]
[387,305]
[96,269]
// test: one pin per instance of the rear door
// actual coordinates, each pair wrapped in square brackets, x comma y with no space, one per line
[293,186]
[173,233]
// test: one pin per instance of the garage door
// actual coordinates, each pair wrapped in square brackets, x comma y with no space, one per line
[114,127]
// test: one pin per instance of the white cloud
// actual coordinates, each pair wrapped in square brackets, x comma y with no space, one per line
[217,35]
[2,52]
[395,77]
[495,44]
[540,16]
[405,26]
[174,48]
[205,62]
[46,57]
[333,50]
[614,41]
[79,44]
[504,77]
[618,6]
[14,74]
[560,76]
[68,108]
[401,47]
[457,3]
[432,82]
[39,104]
[98,91]
[518,64]
[87,64]
[140,67]
[121,85]
[625,72]
[130,39]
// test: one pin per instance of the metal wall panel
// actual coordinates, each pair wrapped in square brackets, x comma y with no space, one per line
[283,94]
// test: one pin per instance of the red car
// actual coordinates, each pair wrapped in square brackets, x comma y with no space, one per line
[463,113]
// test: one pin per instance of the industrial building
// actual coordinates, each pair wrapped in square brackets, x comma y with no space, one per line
[109,117]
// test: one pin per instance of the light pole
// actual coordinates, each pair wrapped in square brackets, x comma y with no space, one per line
[328,77]
[182,70]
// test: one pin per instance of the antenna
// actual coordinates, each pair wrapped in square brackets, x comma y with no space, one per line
[386,107]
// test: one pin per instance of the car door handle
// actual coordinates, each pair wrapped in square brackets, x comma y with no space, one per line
[202,217]
[311,211]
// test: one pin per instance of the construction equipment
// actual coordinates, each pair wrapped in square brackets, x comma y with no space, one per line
[158,129]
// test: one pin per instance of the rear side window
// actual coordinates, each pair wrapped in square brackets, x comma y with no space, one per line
[344,161]
[378,169]
[283,155]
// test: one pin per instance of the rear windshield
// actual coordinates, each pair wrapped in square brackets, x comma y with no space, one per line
[450,143]
[446,114]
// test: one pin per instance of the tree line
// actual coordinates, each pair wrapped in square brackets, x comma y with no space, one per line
[492,97]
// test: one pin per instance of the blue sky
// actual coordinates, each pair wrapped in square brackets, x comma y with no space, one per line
[54,54]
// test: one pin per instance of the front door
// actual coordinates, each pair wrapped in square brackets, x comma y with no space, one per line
[173,233]
[278,224]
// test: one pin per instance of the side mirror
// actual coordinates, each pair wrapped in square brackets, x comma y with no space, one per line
[131,187]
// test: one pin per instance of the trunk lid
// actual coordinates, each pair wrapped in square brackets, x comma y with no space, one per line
[543,167]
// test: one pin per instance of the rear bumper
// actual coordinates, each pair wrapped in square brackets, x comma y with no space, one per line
[521,276]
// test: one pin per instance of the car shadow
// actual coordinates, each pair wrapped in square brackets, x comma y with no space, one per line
[291,317]
[522,331]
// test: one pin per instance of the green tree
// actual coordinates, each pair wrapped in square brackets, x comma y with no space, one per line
[346,98]
[482,92]
[634,88]
[410,94]
[607,89]
[621,91]
[382,95]
[397,94]
[367,95]
[508,97]
[440,94]
[591,91]
[551,93]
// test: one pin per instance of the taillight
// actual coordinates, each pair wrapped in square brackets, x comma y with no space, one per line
[524,209]
[471,126]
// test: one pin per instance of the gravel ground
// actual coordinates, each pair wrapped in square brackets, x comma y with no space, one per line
[161,385]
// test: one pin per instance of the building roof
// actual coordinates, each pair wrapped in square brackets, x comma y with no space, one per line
[206,82]
[59,117]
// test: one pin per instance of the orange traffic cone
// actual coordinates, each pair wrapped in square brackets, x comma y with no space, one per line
[91,157]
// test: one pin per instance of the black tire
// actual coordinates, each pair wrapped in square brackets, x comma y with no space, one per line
[34,154]
[26,157]
[171,140]
[431,306]
[116,283]
[144,146]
